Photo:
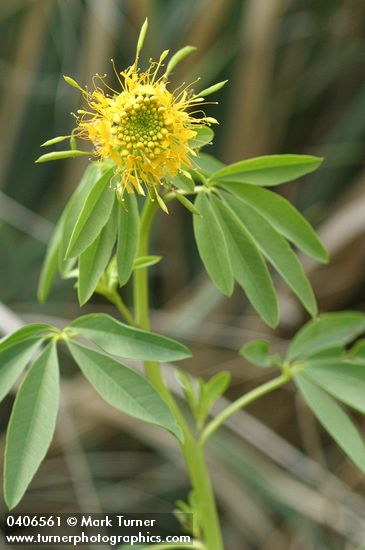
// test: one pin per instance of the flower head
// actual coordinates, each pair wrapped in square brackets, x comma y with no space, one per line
[144,127]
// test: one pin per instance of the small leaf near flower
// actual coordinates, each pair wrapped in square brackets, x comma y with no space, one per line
[212,89]
[54,140]
[72,82]
[141,38]
[179,56]
[57,155]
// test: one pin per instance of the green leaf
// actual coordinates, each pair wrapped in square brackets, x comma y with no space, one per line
[57,155]
[206,164]
[214,388]
[334,420]
[31,426]
[161,202]
[188,389]
[71,212]
[24,333]
[277,251]
[345,381]
[13,361]
[212,246]
[93,261]
[357,352]
[327,331]
[128,235]
[93,216]
[50,264]
[335,352]
[269,170]
[212,89]
[187,204]
[204,136]
[123,388]
[182,181]
[54,140]
[179,56]
[146,261]
[72,83]
[117,338]
[282,216]
[69,217]
[257,352]
[141,37]
[208,395]
[249,268]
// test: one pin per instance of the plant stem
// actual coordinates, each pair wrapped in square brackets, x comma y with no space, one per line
[206,505]
[192,451]
[141,296]
[242,402]
[114,298]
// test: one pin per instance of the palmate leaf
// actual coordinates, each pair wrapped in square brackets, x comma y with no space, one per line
[212,245]
[128,235]
[282,215]
[91,176]
[329,330]
[343,380]
[332,353]
[93,216]
[333,419]
[123,388]
[119,339]
[13,361]
[56,250]
[249,268]
[268,170]
[276,250]
[31,425]
[93,261]
[24,333]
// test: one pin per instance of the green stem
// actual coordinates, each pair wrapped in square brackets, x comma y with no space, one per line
[141,297]
[206,505]
[115,299]
[192,451]
[246,399]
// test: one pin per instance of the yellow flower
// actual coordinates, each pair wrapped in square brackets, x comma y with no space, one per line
[144,128]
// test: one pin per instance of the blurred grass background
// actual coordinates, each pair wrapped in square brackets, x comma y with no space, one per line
[296,85]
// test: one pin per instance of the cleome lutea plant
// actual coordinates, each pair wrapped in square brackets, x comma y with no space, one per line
[146,141]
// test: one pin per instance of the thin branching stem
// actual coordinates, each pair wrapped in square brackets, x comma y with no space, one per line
[243,401]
